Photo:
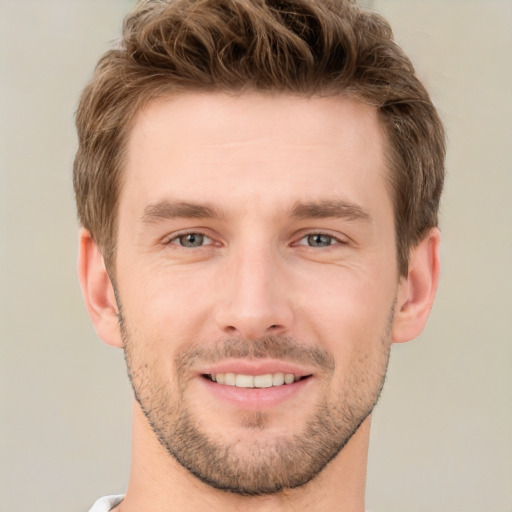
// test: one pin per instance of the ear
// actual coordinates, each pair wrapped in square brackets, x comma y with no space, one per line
[416,291]
[98,291]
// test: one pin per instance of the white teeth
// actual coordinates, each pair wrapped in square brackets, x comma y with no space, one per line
[263,381]
[289,378]
[230,379]
[244,381]
[254,381]
[278,379]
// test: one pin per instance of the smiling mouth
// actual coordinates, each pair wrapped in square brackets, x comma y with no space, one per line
[267,380]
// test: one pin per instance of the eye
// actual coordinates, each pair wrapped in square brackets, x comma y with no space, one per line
[191,240]
[318,240]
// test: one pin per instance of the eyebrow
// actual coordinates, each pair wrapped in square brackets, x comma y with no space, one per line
[165,210]
[331,209]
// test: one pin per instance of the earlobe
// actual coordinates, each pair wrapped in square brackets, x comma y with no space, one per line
[418,289]
[98,291]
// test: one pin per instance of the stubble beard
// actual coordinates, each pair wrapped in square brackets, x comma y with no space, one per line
[251,466]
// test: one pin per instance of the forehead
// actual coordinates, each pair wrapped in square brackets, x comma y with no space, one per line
[270,147]
[220,118]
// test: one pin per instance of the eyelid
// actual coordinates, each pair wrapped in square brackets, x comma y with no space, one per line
[338,237]
[172,237]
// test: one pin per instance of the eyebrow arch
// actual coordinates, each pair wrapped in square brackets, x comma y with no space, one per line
[165,210]
[334,209]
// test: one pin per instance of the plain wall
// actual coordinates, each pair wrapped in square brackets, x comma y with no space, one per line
[441,437]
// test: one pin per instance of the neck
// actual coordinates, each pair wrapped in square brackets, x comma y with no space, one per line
[158,482]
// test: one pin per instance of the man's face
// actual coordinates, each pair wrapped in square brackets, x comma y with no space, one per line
[256,245]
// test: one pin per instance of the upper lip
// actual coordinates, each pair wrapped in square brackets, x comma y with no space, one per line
[255,367]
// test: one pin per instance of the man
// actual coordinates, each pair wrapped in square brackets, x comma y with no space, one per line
[258,183]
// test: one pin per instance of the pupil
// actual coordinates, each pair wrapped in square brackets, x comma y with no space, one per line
[319,240]
[192,240]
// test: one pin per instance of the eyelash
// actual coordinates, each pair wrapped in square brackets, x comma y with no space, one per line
[175,238]
[334,239]
[172,239]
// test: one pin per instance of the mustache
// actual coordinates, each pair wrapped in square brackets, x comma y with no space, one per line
[284,348]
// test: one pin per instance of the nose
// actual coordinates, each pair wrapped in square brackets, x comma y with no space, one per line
[255,298]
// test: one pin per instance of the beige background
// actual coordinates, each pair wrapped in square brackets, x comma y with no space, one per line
[442,432]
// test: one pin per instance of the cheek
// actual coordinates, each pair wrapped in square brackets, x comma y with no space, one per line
[167,302]
[351,315]
[343,297]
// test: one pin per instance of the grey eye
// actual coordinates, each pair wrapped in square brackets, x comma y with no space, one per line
[191,240]
[318,240]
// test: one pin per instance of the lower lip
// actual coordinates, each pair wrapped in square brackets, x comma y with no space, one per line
[256,398]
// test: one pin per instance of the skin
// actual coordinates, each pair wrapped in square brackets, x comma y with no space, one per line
[276,171]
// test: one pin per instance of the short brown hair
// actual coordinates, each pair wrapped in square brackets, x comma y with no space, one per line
[304,47]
